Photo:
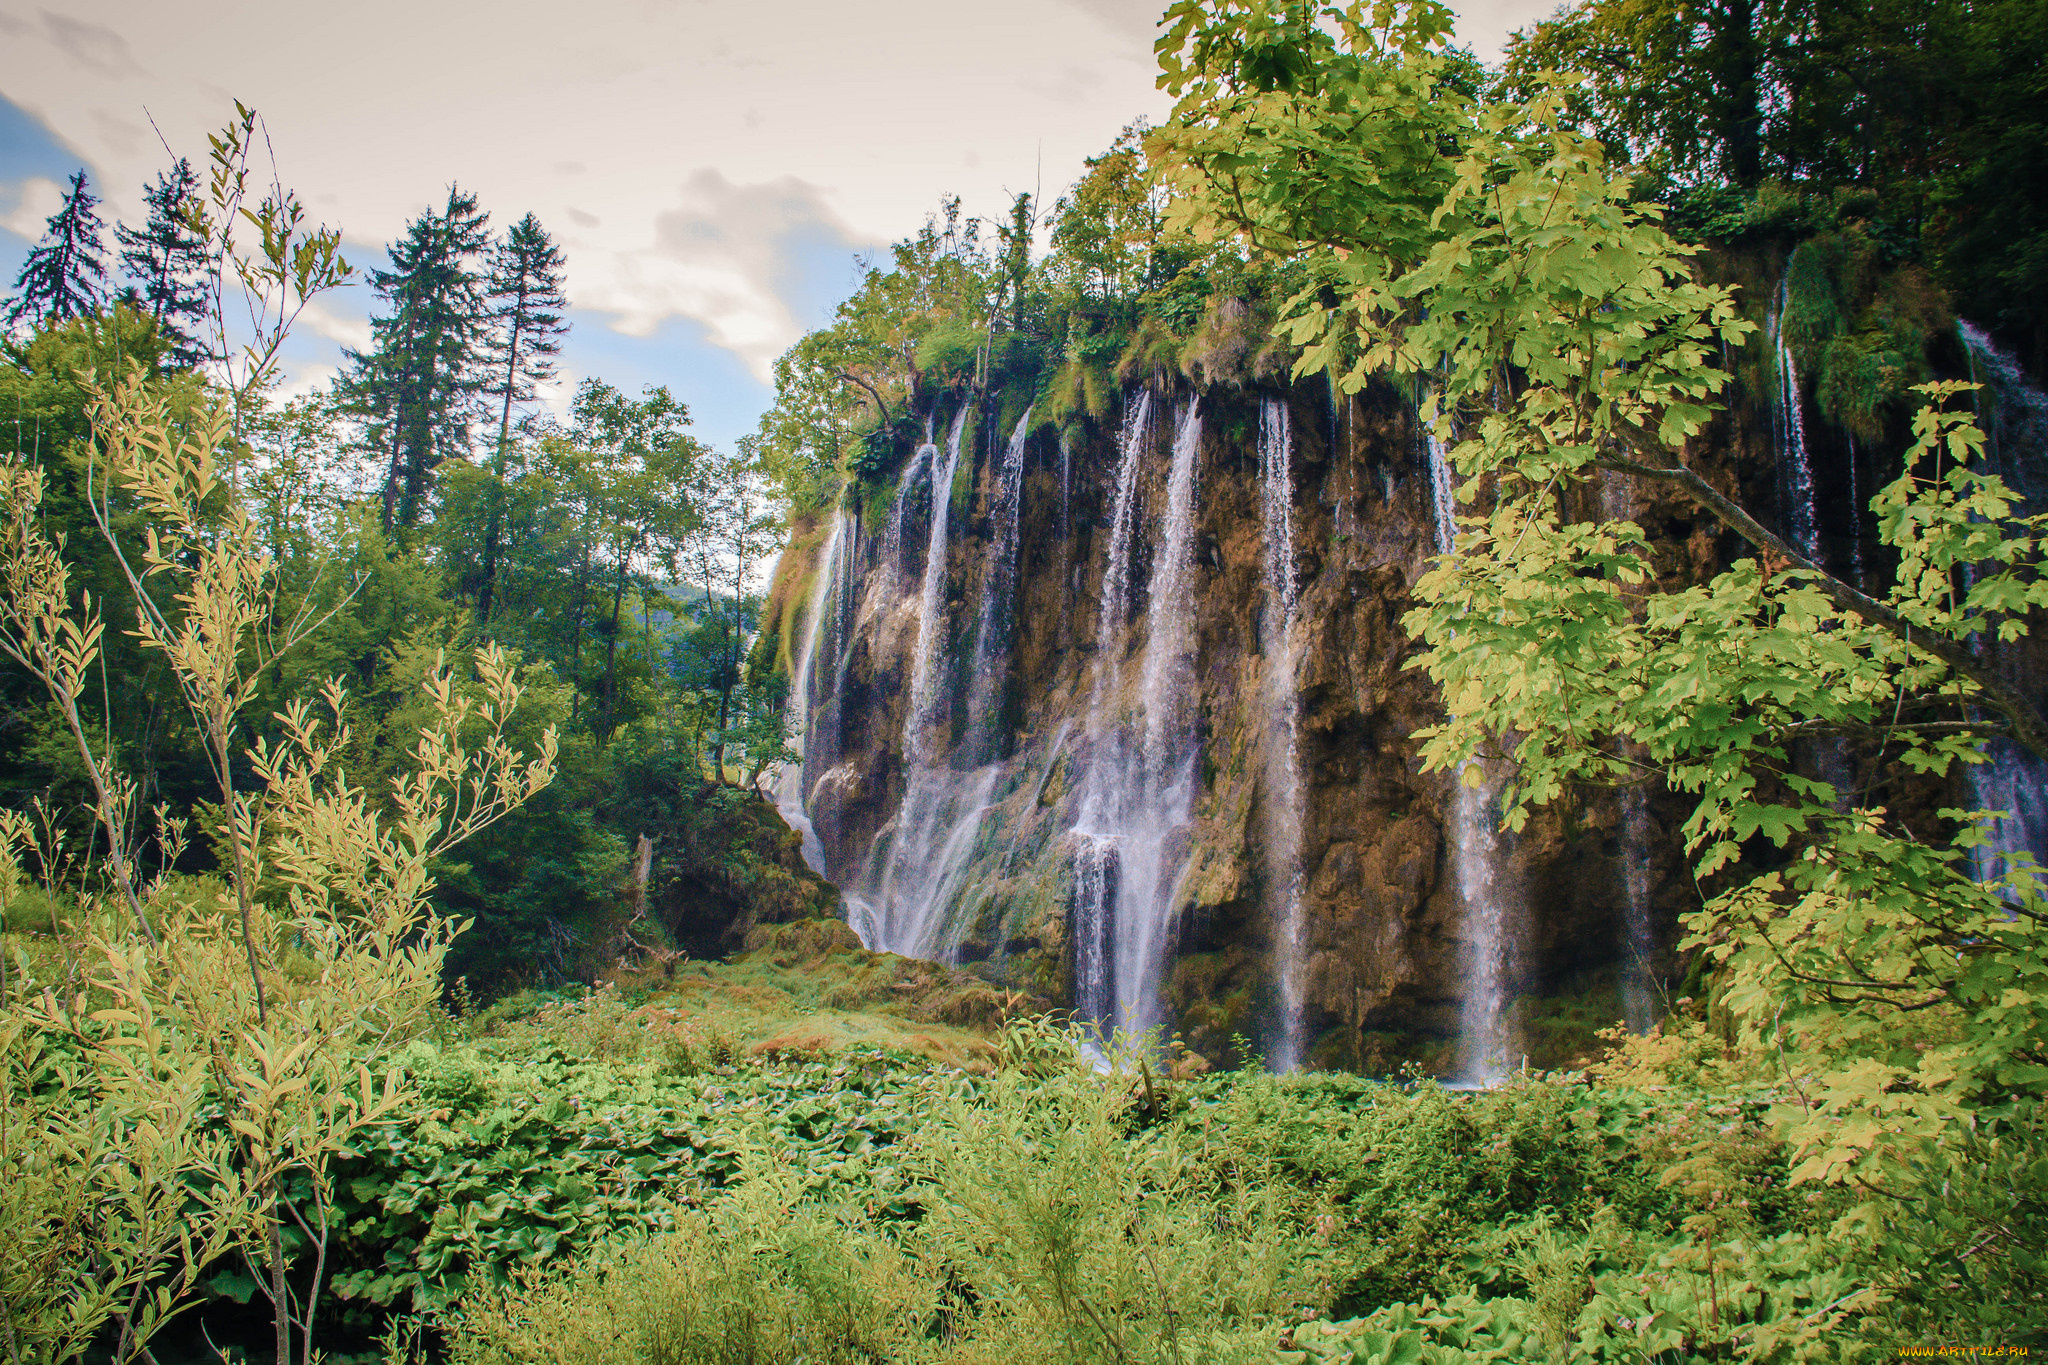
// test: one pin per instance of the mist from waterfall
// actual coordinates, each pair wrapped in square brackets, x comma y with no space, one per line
[1132,830]
[1485,1044]
[1284,794]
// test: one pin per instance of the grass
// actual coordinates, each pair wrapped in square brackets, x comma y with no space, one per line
[805,991]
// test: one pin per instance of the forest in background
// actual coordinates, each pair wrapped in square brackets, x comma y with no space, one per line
[420,510]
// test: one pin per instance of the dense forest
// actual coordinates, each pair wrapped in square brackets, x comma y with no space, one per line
[487,883]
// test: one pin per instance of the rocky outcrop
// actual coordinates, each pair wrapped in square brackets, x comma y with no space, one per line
[1384,948]
[724,866]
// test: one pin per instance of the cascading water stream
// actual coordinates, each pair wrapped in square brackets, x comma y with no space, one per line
[931,612]
[1095,857]
[1856,510]
[902,908]
[2011,780]
[899,509]
[792,780]
[1283,806]
[1138,797]
[1788,432]
[1485,1043]
[998,604]
[1798,510]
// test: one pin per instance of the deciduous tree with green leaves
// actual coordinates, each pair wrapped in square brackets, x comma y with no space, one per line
[204,1057]
[1490,257]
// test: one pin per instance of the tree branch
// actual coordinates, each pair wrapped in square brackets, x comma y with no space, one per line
[881,408]
[2029,728]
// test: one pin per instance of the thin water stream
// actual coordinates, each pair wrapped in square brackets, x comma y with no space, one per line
[1486,1041]
[1285,796]
[1131,833]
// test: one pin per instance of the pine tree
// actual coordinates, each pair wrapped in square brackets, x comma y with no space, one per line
[526,303]
[166,263]
[65,275]
[416,389]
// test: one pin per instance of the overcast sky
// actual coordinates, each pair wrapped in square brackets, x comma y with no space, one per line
[711,169]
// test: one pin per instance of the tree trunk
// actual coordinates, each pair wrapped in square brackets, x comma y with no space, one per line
[494,518]
[611,657]
[1737,63]
[576,633]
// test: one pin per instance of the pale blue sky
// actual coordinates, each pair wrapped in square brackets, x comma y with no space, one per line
[726,398]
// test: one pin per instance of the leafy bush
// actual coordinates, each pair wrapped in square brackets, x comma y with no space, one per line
[520,1159]
[1055,1209]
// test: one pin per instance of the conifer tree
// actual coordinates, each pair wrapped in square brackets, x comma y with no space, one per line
[165,261]
[65,275]
[526,329]
[417,387]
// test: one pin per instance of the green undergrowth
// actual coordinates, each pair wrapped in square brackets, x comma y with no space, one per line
[1051,1212]
[527,1156]
[870,1204]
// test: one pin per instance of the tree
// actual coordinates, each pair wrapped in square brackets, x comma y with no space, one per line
[65,275]
[1490,255]
[416,388]
[1107,228]
[740,527]
[525,303]
[1933,108]
[165,261]
[629,477]
[195,1084]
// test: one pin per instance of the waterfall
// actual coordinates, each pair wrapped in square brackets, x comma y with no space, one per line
[1285,796]
[903,907]
[1856,510]
[2016,424]
[998,604]
[892,538]
[792,780]
[1138,796]
[1475,863]
[931,613]
[1638,986]
[1095,858]
[2011,781]
[1066,487]
[1798,512]
[1788,433]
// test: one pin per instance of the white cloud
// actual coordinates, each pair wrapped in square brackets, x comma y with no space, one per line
[722,256]
[302,378]
[675,149]
[320,318]
[30,204]
[852,120]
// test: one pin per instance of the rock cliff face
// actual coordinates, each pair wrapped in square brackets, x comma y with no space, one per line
[981,731]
